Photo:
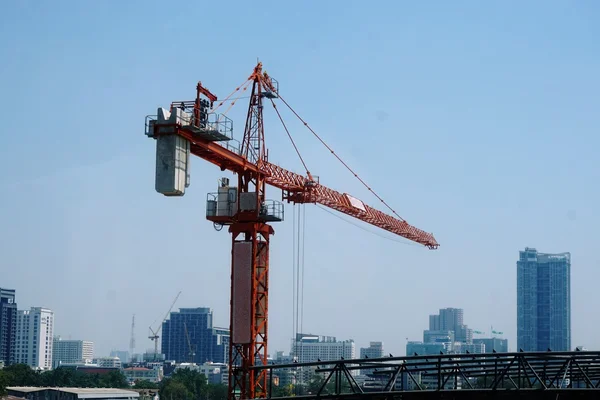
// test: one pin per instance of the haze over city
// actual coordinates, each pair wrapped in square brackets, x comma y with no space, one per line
[476,123]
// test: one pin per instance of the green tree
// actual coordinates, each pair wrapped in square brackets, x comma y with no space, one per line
[22,375]
[316,382]
[216,392]
[194,381]
[4,382]
[145,384]
[283,391]
[175,390]
[114,379]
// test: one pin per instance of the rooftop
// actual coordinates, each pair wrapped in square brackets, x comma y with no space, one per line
[82,393]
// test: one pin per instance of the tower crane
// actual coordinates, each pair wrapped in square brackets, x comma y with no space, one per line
[191,353]
[194,127]
[154,333]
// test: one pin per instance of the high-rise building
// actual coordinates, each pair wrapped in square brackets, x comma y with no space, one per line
[309,348]
[71,351]
[451,319]
[8,326]
[543,301]
[375,350]
[34,337]
[207,343]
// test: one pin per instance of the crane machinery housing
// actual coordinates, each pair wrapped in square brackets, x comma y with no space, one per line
[194,127]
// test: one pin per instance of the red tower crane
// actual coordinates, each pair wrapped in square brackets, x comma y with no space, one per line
[192,127]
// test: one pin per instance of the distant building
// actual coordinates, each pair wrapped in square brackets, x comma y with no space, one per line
[78,364]
[543,301]
[108,362]
[285,376]
[491,344]
[308,348]
[451,319]
[151,356]
[92,369]
[124,356]
[71,351]
[134,374]
[430,336]
[220,345]
[464,348]
[208,343]
[8,325]
[214,372]
[375,350]
[425,349]
[46,393]
[35,330]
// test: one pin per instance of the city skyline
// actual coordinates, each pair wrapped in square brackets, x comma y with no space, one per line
[448,317]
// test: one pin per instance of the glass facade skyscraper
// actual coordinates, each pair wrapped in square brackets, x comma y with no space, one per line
[8,325]
[543,301]
[193,327]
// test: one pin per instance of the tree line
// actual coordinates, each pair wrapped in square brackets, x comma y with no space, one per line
[23,375]
[183,384]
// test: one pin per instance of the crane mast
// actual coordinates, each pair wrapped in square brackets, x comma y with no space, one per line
[190,128]
[250,259]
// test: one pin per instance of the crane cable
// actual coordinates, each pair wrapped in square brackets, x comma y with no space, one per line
[234,100]
[290,136]
[245,83]
[294,329]
[299,236]
[342,161]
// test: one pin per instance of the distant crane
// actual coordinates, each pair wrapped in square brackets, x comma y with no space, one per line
[154,332]
[194,128]
[189,343]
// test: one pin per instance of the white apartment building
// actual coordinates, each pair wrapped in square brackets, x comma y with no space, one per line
[309,348]
[71,352]
[214,372]
[34,342]
[108,362]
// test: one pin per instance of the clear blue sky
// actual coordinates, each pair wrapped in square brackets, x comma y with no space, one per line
[477,121]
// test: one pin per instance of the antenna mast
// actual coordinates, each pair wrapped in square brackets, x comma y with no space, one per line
[132,339]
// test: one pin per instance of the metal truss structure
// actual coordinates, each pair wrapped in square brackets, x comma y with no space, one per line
[452,376]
